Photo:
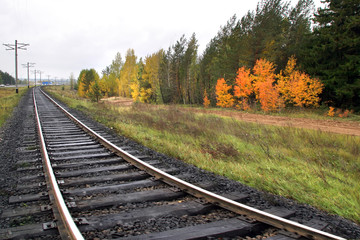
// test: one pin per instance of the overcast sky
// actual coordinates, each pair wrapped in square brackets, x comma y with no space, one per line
[66,36]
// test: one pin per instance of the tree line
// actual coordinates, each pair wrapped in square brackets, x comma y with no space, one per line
[325,44]
[6,78]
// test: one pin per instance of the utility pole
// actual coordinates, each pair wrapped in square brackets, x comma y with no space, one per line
[48,78]
[15,47]
[28,65]
[40,76]
[35,71]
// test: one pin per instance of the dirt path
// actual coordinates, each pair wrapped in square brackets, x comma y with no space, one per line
[118,101]
[349,128]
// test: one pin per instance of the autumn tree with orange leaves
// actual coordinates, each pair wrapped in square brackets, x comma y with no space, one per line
[223,97]
[297,87]
[271,90]
[206,100]
[243,88]
[264,85]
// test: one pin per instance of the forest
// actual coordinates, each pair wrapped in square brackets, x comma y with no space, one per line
[275,56]
[6,78]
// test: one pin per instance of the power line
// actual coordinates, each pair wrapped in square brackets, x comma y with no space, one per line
[28,65]
[15,47]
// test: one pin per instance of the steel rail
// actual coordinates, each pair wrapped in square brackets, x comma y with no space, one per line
[216,199]
[72,231]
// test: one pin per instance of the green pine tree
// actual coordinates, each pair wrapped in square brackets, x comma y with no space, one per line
[94,92]
[334,52]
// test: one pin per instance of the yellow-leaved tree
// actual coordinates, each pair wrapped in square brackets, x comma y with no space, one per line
[223,97]
[297,87]
[151,86]
[135,91]
[81,84]
[85,81]
[145,95]
[128,74]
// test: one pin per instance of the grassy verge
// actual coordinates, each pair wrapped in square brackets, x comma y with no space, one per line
[8,100]
[313,167]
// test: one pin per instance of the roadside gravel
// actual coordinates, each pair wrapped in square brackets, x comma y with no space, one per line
[11,138]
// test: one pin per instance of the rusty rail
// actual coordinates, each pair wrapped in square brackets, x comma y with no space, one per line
[66,225]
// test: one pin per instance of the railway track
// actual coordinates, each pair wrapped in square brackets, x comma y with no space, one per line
[78,182]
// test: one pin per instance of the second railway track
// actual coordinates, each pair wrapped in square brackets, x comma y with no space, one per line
[115,192]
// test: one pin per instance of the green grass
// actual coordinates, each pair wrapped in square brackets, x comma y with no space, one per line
[8,100]
[318,168]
